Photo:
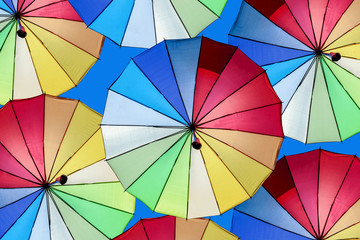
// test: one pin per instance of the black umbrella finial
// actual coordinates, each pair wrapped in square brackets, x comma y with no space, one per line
[196,144]
[335,56]
[21,32]
[63,179]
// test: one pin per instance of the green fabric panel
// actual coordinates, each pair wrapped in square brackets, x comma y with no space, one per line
[174,198]
[346,111]
[349,82]
[194,15]
[110,194]
[216,6]
[129,166]
[150,185]
[7,58]
[5,29]
[79,227]
[322,124]
[111,222]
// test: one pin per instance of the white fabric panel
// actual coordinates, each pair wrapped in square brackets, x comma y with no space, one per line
[202,201]
[296,115]
[120,110]
[140,31]
[9,195]
[58,228]
[167,23]
[120,139]
[41,229]
[26,82]
[350,64]
[287,86]
[97,172]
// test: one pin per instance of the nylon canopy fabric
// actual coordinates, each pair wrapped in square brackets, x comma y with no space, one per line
[179,95]
[173,228]
[42,140]
[310,51]
[45,47]
[144,23]
[312,195]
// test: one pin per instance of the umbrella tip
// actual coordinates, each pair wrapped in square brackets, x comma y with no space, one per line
[21,32]
[196,144]
[63,179]
[335,56]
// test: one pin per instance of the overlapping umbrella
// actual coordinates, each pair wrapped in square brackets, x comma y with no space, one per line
[173,228]
[54,183]
[143,23]
[192,127]
[45,47]
[310,50]
[312,195]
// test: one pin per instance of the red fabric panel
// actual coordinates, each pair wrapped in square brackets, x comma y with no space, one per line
[266,7]
[47,8]
[349,193]
[10,181]
[12,139]
[135,232]
[317,10]
[162,228]
[304,170]
[30,115]
[238,72]
[333,168]
[212,60]
[265,120]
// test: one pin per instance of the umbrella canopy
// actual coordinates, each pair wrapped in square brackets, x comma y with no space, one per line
[54,183]
[313,195]
[173,228]
[183,125]
[143,23]
[45,47]
[310,50]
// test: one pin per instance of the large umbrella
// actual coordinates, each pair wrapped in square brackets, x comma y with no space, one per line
[183,125]
[54,183]
[312,195]
[310,50]
[143,23]
[45,47]
[173,228]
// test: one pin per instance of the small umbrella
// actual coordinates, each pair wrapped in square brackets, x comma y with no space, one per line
[173,228]
[312,195]
[183,125]
[310,50]
[143,23]
[45,47]
[54,183]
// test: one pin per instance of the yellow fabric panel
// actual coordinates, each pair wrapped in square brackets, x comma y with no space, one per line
[190,229]
[215,232]
[351,51]
[91,152]
[250,173]
[351,217]
[53,80]
[348,20]
[349,38]
[227,190]
[58,113]
[84,123]
[75,32]
[250,143]
[73,60]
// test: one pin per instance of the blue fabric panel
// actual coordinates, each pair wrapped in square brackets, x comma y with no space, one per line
[9,195]
[278,71]
[5,6]
[88,10]
[21,230]
[248,228]
[264,54]
[133,84]
[10,213]
[155,64]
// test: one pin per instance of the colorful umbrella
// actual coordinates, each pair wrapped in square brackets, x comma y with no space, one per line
[310,50]
[53,181]
[44,48]
[183,125]
[173,228]
[313,195]
[142,23]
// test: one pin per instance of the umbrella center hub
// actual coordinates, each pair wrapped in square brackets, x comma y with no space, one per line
[17,15]
[192,127]
[46,185]
[318,51]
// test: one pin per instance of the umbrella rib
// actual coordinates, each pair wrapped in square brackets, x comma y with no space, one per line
[312,24]
[7,36]
[153,15]
[24,12]
[317,193]
[1,170]
[154,126]
[23,137]
[142,224]
[203,233]
[220,73]
[337,193]
[182,23]
[322,26]
[345,45]
[8,7]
